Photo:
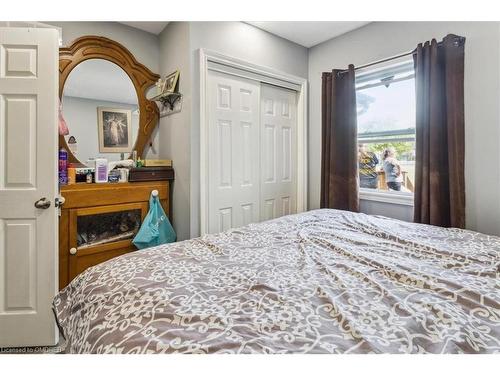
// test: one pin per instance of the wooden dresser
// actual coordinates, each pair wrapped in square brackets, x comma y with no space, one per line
[98,222]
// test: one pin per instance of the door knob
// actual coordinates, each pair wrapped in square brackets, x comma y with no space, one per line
[59,201]
[42,203]
[73,251]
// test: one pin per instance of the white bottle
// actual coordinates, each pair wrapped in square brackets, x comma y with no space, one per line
[101,170]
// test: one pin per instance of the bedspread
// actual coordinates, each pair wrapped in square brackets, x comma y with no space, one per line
[324,281]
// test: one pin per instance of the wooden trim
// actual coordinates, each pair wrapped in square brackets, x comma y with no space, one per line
[264,74]
[88,211]
[63,248]
[99,249]
[98,47]
[72,260]
[109,185]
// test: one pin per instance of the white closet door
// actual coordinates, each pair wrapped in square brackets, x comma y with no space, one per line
[28,172]
[278,139]
[233,151]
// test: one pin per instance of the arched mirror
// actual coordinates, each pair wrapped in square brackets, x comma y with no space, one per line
[101,109]
[103,95]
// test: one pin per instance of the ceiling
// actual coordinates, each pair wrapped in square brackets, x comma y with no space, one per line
[152,27]
[305,33]
[100,80]
[308,33]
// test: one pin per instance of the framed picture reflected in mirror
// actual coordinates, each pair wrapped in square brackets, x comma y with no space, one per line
[115,129]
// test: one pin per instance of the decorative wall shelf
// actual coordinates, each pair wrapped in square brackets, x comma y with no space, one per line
[171,102]
[167,98]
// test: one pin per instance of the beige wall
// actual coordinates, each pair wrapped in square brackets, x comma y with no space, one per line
[482,120]
[175,130]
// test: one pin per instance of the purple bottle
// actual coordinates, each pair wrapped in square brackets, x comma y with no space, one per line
[63,167]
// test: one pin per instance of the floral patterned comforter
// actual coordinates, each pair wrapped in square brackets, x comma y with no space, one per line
[325,281]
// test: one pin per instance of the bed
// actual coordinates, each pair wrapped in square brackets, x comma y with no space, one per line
[324,281]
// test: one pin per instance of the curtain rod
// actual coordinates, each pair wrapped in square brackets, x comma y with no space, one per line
[380,61]
[457,41]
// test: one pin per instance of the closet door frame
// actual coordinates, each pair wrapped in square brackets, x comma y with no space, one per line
[210,60]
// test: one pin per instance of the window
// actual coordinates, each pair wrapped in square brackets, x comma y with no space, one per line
[386,131]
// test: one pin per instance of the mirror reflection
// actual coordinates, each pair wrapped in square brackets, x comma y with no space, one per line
[100,107]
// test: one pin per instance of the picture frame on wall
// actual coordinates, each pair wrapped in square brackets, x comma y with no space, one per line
[114,129]
[170,82]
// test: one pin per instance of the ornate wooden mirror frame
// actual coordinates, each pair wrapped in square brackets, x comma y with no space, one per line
[97,47]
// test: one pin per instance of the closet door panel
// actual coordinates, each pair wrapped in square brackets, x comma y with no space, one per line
[233,151]
[278,123]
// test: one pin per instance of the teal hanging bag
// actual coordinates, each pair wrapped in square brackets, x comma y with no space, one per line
[156,228]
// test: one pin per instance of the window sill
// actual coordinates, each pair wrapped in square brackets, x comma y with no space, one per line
[405,199]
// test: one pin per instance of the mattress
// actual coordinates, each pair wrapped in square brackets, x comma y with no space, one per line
[324,281]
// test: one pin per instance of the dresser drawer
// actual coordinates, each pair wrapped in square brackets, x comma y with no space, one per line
[90,195]
[151,174]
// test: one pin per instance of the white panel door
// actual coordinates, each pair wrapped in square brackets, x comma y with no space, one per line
[28,172]
[278,139]
[233,151]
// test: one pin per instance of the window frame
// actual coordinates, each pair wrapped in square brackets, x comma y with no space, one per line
[393,197]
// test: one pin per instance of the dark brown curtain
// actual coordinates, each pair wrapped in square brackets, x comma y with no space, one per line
[339,154]
[439,166]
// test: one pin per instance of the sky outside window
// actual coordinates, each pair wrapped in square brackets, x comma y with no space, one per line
[387,108]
